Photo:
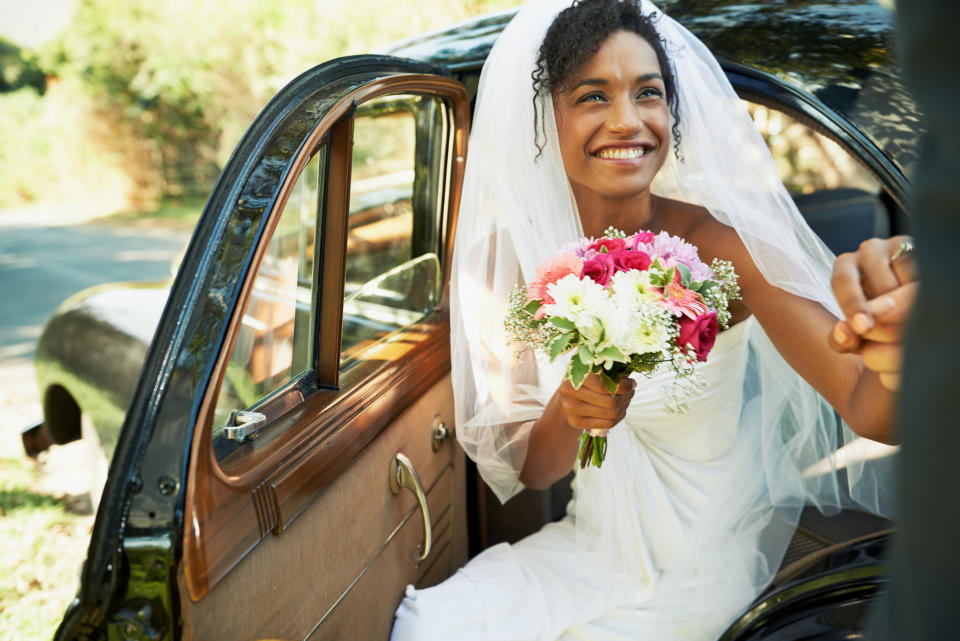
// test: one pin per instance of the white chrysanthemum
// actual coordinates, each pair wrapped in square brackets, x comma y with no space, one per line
[631,287]
[593,333]
[646,330]
[600,324]
[573,296]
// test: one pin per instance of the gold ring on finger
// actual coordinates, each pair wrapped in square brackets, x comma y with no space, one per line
[905,249]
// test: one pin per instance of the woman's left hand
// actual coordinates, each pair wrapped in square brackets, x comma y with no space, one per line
[876,287]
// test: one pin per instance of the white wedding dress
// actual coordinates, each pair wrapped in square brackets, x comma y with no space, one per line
[679,482]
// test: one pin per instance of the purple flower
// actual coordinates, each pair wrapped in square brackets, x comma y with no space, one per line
[579,247]
[672,250]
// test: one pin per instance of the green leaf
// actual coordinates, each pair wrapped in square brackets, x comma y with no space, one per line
[612,353]
[562,323]
[668,276]
[609,382]
[533,306]
[560,343]
[684,274]
[577,371]
[586,355]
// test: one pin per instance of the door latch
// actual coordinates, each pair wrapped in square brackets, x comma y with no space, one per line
[439,432]
[242,425]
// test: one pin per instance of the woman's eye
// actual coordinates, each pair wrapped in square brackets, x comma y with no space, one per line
[649,92]
[592,97]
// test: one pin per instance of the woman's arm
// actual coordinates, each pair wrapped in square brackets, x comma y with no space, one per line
[797,327]
[554,438]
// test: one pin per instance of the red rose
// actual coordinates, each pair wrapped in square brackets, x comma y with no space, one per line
[599,268]
[630,259]
[611,244]
[700,334]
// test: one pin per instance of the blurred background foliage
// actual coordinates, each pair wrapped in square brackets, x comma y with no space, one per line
[136,104]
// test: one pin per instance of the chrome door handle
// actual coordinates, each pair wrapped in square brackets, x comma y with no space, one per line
[402,475]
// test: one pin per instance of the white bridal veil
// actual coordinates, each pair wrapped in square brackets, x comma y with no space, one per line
[516,212]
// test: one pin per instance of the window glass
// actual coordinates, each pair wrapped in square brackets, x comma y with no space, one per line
[837,197]
[393,272]
[807,160]
[274,343]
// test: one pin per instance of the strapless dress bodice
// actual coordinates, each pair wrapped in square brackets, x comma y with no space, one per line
[662,469]
[707,428]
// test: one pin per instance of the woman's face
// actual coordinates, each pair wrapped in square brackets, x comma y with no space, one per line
[613,121]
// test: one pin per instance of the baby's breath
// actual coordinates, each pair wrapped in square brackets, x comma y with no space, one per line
[687,383]
[524,331]
[613,232]
[726,290]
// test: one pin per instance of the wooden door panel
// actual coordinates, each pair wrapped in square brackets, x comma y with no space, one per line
[366,611]
[351,546]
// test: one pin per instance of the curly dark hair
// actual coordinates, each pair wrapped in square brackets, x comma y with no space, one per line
[576,34]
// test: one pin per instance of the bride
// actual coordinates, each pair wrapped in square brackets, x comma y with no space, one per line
[608,113]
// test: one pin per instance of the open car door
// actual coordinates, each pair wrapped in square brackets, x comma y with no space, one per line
[286,465]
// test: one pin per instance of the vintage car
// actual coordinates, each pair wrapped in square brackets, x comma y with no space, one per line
[284,464]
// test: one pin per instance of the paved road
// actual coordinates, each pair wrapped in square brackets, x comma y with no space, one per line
[40,266]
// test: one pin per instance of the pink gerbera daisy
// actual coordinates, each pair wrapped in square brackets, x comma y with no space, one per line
[549,273]
[682,301]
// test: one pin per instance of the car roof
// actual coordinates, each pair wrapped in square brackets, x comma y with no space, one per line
[841,53]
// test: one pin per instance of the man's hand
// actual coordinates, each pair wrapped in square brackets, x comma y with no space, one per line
[876,287]
[881,346]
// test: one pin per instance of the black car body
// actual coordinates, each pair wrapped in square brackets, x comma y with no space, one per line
[298,381]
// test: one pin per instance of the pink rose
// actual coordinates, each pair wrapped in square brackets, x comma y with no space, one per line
[610,244]
[641,237]
[630,259]
[599,268]
[700,334]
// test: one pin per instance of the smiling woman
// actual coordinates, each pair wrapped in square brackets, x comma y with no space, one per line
[613,125]
[684,523]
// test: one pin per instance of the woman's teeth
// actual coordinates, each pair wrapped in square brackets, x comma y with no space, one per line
[621,153]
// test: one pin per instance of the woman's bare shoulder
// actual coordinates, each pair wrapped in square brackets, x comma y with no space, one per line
[697,226]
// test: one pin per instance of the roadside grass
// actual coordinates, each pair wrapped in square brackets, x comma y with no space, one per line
[43,547]
[181,213]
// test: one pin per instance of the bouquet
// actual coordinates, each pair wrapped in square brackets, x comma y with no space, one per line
[622,304]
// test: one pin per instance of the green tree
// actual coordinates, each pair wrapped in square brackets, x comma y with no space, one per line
[176,83]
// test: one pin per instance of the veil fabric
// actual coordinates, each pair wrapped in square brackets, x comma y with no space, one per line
[516,212]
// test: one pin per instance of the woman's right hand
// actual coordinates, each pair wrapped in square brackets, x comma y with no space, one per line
[552,447]
[592,407]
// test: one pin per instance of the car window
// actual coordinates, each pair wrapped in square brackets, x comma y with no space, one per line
[393,270]
[807,160]
[273,344]
[839,199]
